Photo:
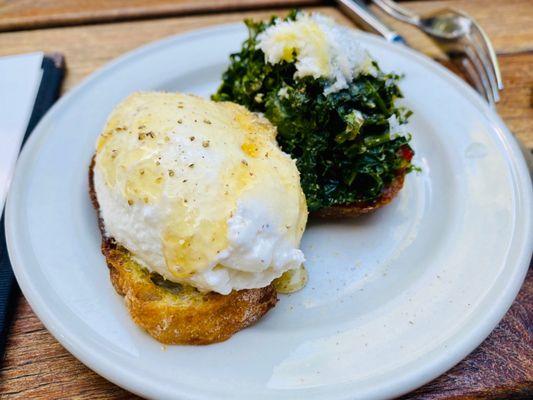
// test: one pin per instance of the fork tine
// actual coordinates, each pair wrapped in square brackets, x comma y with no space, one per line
[461,53]
[483,57]
[487,45]
[467,67]
[480,71]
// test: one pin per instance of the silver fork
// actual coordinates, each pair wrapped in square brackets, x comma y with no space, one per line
[461,37]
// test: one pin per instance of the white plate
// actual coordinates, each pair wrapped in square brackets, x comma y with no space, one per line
[394,299]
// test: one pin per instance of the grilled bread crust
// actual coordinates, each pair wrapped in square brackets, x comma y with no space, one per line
[187,316]
[356,209]
[179,314]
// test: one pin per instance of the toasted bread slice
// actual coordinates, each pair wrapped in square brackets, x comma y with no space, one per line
[179,314]
[356,209]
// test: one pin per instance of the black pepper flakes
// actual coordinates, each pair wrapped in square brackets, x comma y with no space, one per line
[205,143]
[207,121]
[191,138]
[180,121]
[170,172]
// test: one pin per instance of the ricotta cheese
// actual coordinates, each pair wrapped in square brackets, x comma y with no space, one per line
[319,48]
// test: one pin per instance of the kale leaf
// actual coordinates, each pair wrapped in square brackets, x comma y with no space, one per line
[342,142]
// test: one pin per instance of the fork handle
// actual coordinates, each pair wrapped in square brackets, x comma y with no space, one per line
[394,10]
[358,11]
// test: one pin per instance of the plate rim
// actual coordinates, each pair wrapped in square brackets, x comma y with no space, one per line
[464,342]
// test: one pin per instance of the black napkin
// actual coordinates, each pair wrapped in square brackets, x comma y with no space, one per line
[53,70]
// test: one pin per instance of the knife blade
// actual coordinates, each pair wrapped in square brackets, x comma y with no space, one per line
[359,12]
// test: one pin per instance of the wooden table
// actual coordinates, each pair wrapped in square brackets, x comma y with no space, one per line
[90,34]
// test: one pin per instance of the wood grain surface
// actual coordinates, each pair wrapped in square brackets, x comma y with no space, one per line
[507,22]
[36,365]
[501,368]
[32,14]
[89,47]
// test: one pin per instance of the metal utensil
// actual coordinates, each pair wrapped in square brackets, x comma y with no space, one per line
[359,12]
[461,37]
[364,16]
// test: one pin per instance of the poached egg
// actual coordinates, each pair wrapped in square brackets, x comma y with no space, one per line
[199,192]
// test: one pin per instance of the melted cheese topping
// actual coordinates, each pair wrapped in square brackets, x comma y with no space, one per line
[319,48]
[199,191]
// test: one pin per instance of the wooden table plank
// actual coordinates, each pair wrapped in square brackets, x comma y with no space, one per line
[516,104]
[32,14]
[508,23]
[504,361]
[37,367]
[88,47]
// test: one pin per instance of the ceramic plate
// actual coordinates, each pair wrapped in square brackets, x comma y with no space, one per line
[394,299]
